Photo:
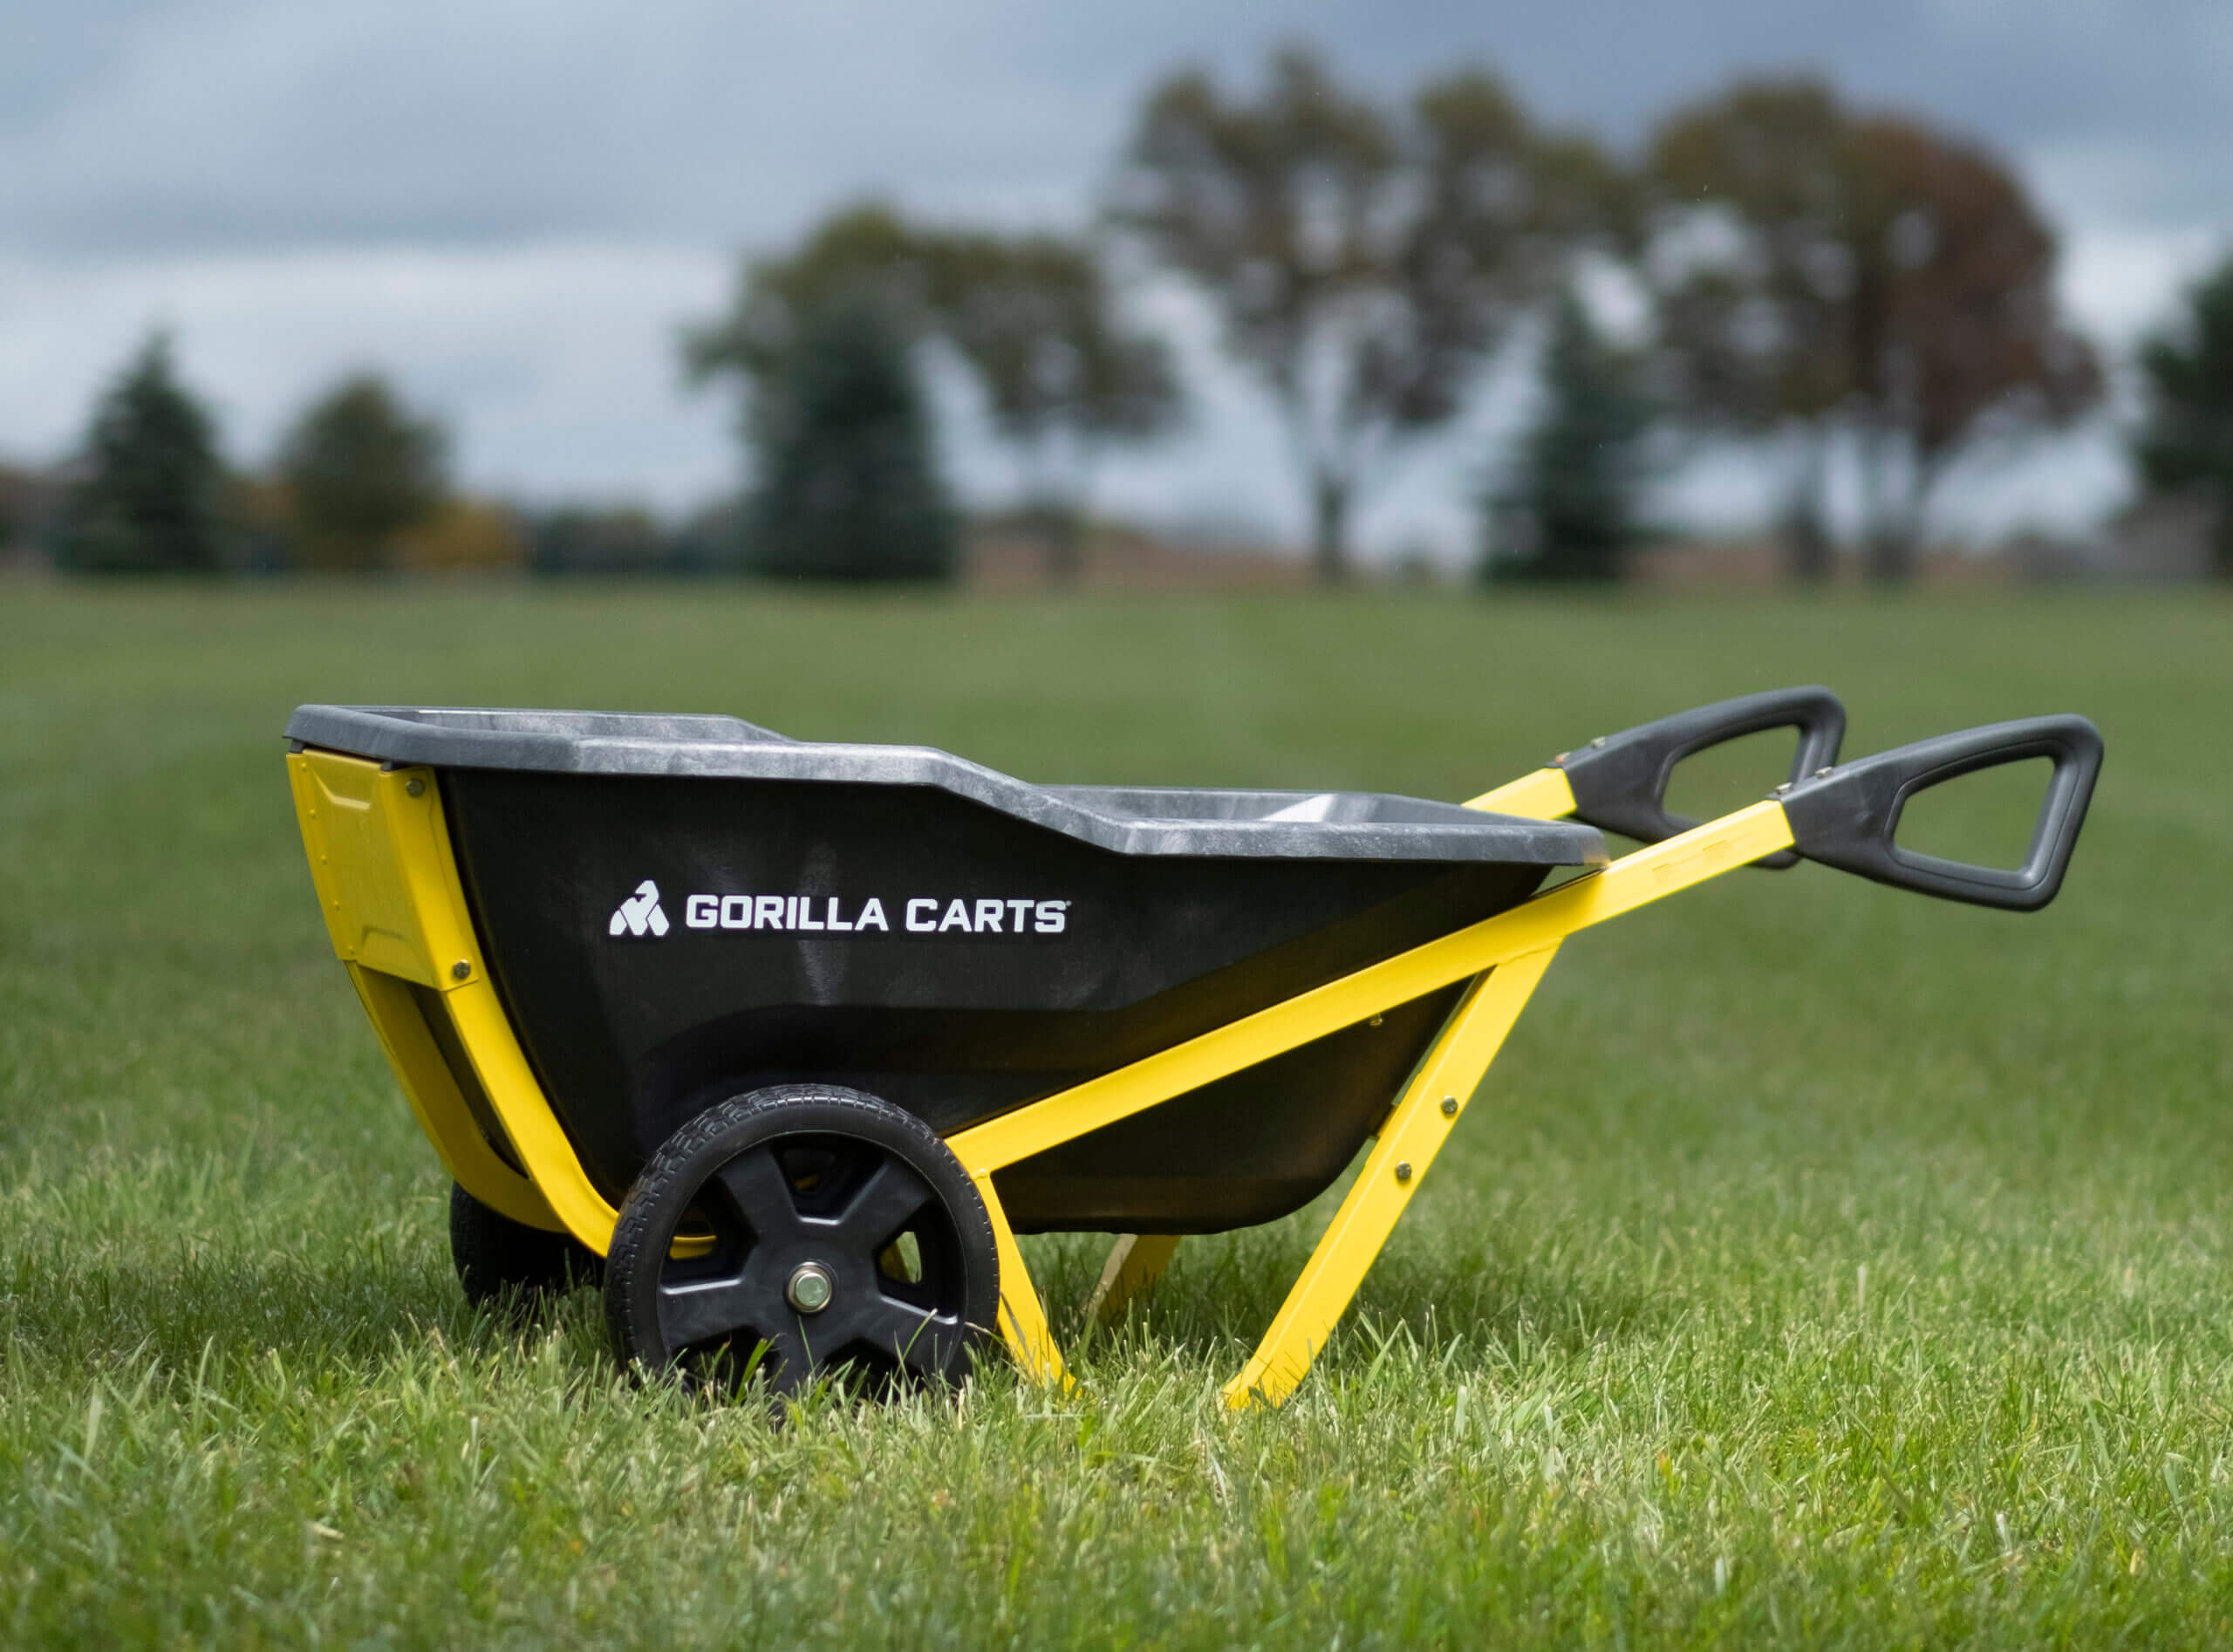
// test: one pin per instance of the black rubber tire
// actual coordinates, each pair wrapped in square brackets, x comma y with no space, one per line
[718,1317]
[503,1263]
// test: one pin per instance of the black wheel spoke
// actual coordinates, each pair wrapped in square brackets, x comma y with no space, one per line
[886,1202]
[701,1311]
[784,1363]
[918,1337]
[762,1193]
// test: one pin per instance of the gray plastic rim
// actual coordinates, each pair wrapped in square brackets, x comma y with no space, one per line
[609,743]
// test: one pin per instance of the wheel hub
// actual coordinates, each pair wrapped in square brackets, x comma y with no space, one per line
[810,1287]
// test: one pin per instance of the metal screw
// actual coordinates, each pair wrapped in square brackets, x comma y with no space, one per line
[1403,1170]
[1825,772]
[1374,1022]
[810,1288]
[414,788]
[1777,791]
[460,970]
[1449,1107]
[1596,743]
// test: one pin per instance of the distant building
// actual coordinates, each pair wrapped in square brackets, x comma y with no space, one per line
[29,500]
[2163,537]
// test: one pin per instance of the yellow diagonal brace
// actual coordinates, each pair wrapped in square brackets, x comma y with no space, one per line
[1545,795]
[1023,1319]
[1135,1263]
[1414,1133]
[1633,881]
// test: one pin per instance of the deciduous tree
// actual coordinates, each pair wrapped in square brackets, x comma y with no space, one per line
[1031,318]
[1364,261]
[1034,318]
[1819,272]
[360,469]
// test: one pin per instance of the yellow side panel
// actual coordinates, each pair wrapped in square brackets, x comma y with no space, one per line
[380,857]
[376,850]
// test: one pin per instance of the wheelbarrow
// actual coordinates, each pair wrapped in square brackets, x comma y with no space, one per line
[788,1041]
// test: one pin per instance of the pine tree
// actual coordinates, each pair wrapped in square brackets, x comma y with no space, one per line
[848,487]
[1569,511]
[2188,441]
[149,499]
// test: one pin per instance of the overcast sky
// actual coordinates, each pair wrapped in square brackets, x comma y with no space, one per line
[513,207]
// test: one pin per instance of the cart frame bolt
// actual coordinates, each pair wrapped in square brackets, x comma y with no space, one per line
[1825,771]
[414,788]
[460,970]
[810,1287]
[1449,1107]
[1403,1170]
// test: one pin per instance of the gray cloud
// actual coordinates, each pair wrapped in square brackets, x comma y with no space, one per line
[512,204]
[232,122]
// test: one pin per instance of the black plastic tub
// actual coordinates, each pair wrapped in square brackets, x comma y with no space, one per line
[675,911]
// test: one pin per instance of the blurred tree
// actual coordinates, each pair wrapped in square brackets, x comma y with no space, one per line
[575,539]
[1957,341]
[863,254]
[149,499]
[632,540]
[464,536]
[1365,262]
[360,469]
[848,484]
[1750,271]
[1032,318]
[1817,272]
[2186,441]
[1569,513]
[823,342]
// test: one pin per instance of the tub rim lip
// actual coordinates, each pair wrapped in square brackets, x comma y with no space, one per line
[691,745]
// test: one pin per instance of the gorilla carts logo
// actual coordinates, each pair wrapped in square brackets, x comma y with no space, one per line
[639,912]
[940,915]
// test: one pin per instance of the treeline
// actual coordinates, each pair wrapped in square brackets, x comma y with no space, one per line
[1841,290]
[359,483]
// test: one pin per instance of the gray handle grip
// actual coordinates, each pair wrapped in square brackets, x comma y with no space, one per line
[1847,818]
[1620,782]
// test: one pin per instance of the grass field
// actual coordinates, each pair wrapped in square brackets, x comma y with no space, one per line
[1820,1264]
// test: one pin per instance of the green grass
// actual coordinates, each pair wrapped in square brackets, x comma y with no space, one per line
[1820,1264]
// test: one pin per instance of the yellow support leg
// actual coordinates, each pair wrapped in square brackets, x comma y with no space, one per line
[1023,1320]
[1393,1171]
[1135,1262]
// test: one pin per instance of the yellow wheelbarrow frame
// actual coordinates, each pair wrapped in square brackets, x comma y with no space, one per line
[395,908]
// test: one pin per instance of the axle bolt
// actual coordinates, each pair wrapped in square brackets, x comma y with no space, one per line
[810,1288]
